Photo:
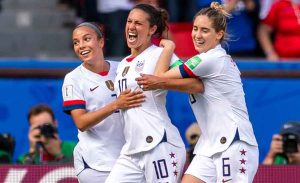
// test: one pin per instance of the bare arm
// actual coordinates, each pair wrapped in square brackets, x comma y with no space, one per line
[84,119]
[187,85]
[264,37]
[164,59]
[169,79]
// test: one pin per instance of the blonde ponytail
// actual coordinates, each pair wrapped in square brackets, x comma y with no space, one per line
[218,7]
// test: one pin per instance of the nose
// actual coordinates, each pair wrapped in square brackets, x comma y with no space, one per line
[81,44]
[130,25]
[198,34]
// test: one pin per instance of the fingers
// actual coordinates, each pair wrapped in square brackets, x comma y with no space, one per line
[277,137]
[143,81]
[135,97]
[166,43]
[125,92]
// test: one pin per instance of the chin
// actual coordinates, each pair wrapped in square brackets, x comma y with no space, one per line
[199,50]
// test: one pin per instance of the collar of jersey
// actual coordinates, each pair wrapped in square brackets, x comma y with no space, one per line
[129,59]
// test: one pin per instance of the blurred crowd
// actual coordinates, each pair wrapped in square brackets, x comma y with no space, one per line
[257,28]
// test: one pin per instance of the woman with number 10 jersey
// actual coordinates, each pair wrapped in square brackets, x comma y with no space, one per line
[153,151]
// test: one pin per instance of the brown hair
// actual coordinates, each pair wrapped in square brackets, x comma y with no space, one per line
[218,15]
[93,25]
[38,109]
[158,17]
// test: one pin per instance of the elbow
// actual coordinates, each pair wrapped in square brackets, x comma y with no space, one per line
[197,89]
[82,128]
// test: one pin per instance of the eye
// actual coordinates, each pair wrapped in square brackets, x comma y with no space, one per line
[138,23]
[75,43]
[87,38]
[205,30]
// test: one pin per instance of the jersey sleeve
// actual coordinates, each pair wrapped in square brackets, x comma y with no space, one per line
[175,61]
[201,67]
[72,95]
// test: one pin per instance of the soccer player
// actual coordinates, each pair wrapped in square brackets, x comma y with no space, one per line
[153,151]
[90,98]
[227,150]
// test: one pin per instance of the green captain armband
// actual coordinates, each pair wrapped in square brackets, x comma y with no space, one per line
[176,64]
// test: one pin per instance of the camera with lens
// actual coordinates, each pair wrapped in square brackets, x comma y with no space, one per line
[290,143]
[290,137]
[7,147]
[47,130]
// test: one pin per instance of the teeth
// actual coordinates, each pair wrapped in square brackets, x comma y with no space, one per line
[84,52]
[199,42]
[132,34]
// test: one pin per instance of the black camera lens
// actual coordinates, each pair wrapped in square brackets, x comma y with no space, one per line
[48,130]
[290,143]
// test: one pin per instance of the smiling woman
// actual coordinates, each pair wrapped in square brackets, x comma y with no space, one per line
[89,97]
[227,140]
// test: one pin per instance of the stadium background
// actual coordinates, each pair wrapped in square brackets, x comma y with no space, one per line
[272,95]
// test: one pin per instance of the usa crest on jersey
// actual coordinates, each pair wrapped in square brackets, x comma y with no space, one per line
[139,65]
[110,85]
[125,71]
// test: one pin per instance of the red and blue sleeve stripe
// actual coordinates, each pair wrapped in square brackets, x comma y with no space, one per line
[70,105]
[186,72]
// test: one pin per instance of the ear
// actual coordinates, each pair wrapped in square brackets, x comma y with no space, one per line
[220,35]
[152,30]
[101,42]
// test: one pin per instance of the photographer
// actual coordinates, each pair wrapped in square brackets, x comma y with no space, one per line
[45,144]
[285,147]
[7,147]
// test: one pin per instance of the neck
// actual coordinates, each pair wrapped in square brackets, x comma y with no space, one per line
[97,67]
[136,51]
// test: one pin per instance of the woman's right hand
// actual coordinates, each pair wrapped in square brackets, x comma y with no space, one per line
[129,99]
[167,44]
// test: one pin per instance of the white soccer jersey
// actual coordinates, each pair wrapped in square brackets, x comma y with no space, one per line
[221,109]
[144,126]
[100,145]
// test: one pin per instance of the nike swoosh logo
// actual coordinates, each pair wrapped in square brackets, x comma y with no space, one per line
[223,181]
[92,89]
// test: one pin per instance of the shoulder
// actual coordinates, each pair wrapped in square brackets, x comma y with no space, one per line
[74,72]
[213,54]
[113,65]
[154,49]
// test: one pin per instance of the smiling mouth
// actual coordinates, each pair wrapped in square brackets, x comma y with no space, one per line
[199,42]
[84,53]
